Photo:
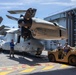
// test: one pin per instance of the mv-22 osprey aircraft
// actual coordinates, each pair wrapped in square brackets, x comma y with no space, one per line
[30,30]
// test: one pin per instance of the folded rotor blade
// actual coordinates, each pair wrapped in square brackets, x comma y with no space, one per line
[30,11]
[17,11]
[13,18]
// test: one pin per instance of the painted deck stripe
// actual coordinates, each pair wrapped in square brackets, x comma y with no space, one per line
[64,66]
[47,68]
[28,70]
[5,73]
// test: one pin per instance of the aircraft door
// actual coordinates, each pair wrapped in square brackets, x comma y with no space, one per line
[18,39]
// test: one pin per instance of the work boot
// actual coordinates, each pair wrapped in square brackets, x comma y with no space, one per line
[13,56]
[10,56]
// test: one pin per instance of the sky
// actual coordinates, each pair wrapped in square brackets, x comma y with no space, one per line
[44,8]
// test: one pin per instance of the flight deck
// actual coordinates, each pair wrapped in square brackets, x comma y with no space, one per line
[27,64]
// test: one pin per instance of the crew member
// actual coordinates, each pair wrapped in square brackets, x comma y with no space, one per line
[66,48]
[59,46]
[12,48]
[60,50]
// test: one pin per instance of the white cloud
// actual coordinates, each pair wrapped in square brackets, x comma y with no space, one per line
[73,0]
[10,4]
[7,7]
[59,3]
[46,2]
[33,1]
[22,3]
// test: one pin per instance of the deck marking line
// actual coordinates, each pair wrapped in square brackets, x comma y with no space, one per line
[28,70]
[64,66]
[5,73]
[47,68]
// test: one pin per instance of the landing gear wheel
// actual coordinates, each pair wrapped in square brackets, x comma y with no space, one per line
[72,60]
[51,58]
